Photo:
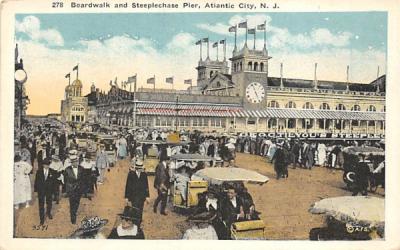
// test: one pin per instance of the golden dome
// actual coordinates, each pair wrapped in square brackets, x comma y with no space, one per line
[77,82]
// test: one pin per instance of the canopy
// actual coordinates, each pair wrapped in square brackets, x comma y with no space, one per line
[363,210]
[191,157]
[220,175]
[364,150]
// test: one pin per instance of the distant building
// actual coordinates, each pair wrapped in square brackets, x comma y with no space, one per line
[74,108]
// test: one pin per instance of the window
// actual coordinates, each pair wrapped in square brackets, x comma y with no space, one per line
[384,108]
[251,122]
[249,66]
[356,108]
[255,66]
[262,67]
[306,123]
[371,108]
[290,105]
[241,66]
[272,123]
[273,104]
[340,107]
[234,67]
[291,123]
[211,73]
[308,105]
[324,106]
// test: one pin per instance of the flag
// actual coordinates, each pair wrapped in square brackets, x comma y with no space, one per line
[261,26]
[75,68]
[243,25]
[132,79]
[251,31]
[222,42]
[215,45]
[205,40]
[232,29]
[169,80]
[68,75]
[189,81]
[198,42]
[151,80]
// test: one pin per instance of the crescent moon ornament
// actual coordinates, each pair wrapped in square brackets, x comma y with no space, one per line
[348,176]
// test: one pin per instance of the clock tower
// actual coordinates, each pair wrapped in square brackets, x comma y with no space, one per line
[250,75]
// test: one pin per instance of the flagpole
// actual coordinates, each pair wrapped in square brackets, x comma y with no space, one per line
[245,44]
[217,50]
[208,47]
[224,49]
[254,45]
[77,71]
[154,84]
[265,34]
[235,37]
[201,51]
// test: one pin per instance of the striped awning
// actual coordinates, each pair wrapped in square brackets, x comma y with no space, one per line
[213,110]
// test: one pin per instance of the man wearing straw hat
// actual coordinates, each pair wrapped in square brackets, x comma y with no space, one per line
[137,187]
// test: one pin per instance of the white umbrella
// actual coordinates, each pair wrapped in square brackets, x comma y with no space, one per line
[220,175]
[363,210]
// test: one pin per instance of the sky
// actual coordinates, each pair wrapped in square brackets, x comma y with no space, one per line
[107,46]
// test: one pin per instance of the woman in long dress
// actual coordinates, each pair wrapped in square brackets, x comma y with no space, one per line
[321,154]
[122,147]
[22,183]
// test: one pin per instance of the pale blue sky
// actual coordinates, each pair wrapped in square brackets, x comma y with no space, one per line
[368,29]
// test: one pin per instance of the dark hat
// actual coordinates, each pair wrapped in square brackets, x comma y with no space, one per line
[46,161]
[92,224]
[131,213]
[202,217]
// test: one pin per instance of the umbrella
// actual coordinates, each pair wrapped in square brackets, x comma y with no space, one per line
[220,175]
[363,210]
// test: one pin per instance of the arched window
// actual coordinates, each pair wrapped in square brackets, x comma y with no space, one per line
[290,105]
[324,106]
[273,104]
[262,67]
[255,66]
[218,84]
[371,108]
[356,108]
[340,107]
[308,105]
[250,66]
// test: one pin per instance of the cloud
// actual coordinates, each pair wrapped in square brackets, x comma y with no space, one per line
[123,56]
[30,25]
[282,37]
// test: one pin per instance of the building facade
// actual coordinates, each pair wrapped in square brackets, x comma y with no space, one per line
[248,100]
[74,107]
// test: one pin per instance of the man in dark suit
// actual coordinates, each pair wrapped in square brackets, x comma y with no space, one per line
[137,187]
[161,183]
[232,209]
[73,186]
[44,186]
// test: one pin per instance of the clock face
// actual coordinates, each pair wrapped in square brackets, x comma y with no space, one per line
[20,75]
[255,92]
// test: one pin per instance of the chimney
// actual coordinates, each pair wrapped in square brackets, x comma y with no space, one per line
[315,77]
[281,75]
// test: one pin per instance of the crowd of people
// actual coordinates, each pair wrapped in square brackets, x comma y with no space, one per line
[62,168]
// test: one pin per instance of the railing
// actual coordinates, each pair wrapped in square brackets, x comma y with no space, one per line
[327,91]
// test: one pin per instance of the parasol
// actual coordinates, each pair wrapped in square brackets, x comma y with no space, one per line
[363,210]
[220,175]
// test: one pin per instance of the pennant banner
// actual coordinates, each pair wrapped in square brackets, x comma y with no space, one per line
[232,29]
[215,45]
[261,26]
[198,42]
[75,68]
[222,42]
[151,80]
[189,81]
[205,40]
[243,25]
[169,80]
[68,75]
[132,79]
[251,31]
